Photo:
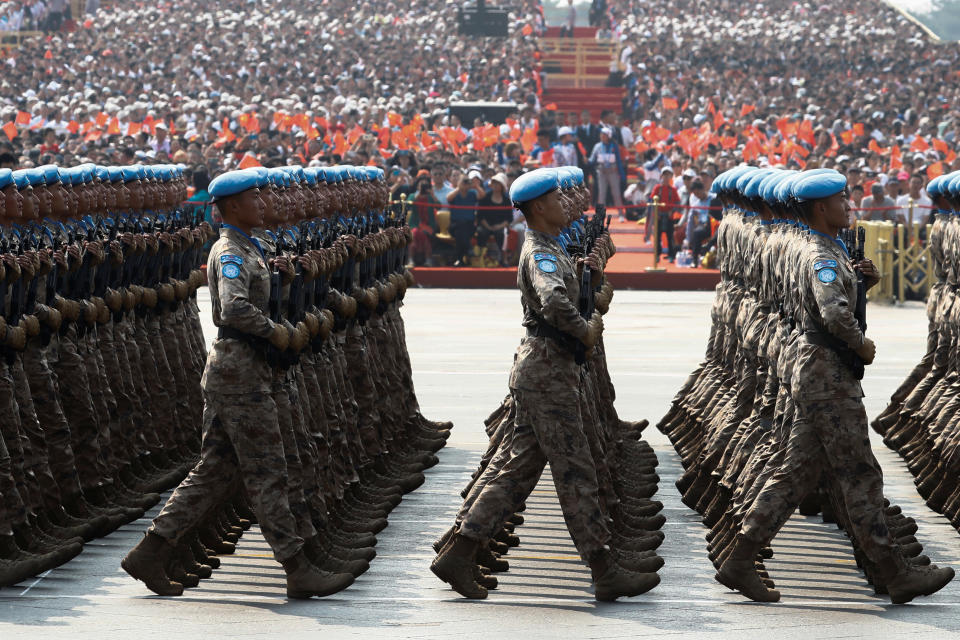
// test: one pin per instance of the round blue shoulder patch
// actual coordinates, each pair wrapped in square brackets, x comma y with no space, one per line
[230,271]
[826,275]
[547,266]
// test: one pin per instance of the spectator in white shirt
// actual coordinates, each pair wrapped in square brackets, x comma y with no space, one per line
[921,202]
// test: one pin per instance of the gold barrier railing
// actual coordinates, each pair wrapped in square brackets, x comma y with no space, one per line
[14,39]
[585,55]
[901,257]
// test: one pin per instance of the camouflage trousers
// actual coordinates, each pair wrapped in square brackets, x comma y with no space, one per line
[241,443]
[544,430]
[828,438]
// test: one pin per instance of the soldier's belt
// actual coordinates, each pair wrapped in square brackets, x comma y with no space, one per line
[847,356]
[256,342]
[543,329]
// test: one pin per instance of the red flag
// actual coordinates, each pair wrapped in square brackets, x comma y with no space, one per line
[102,119]
[919,144]
[394,119]
[527,139]
[873,146]
[23,118]
[527,30]
[940,145]
[113,129]
[48,55]
[683,107]
[339,144]
[805,132]
[73,127]
[546,157]
[746,110]
[670,103]
[858,129]
[249,161]
[895,160]
[847,136]
[550,107]
[934,170]
[355,134]
[10,129]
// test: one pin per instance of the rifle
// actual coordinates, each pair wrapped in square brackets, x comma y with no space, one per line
[860,312]
[274,355]
[592,230]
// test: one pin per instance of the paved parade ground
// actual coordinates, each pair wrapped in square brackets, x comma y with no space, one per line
[462,343]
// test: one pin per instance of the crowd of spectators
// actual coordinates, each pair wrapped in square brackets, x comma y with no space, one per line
[235,83]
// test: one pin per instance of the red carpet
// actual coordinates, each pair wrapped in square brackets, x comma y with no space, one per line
[626,270]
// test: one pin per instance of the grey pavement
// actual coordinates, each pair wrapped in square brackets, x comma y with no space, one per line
[462,344]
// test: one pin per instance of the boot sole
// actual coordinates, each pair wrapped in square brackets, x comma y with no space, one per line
[437,572]
[650,583]
[131,572]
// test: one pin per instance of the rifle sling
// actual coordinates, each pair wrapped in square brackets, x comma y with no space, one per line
[543,329]
[847,356]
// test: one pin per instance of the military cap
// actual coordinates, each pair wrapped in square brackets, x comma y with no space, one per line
[6,178]
[232,183]
[816,185]
[770,190]
[35,177]
[935,186]
[729,177]
[103,173]
[532,185]
[742,180]
[21,179]
[952,186]
[51,174]
[310,175]
[752,187]
[116,173]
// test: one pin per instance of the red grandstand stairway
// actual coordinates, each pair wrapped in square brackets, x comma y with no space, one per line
[576,71]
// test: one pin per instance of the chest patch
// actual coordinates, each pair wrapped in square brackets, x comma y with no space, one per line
[547,266]
[826,275]
[544,256]
[230,271]
[229,258]
[824,264]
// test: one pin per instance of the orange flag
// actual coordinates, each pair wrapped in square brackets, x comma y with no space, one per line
[896,161]
[858,128]
[551,107]
[940,145]
[934,170]
[546,157]
[528,139]
[339,144]
[23,118]
[873,146]
[670,103]
[847,136]
[718,119]
[249,161]
[73,127]
[746,110]
[919,144]
[114,127]
[102,119]
[48,55]
[133,128]
[10,129]
[394,119]
[728,142]
[527,30]
[805,132]
[355,133]
[950,157]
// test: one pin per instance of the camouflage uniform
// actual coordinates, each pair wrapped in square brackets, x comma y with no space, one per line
[241,436]
[545,384]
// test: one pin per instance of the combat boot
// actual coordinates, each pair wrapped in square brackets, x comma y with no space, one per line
[15,571]
[509,539]
[637,563]
[739,573]
[146,563]
[612,581]
[490,560]
[305,580]
[441,542]
[918,581]
[320,555]
[200,552]
[456,564]
[33,540]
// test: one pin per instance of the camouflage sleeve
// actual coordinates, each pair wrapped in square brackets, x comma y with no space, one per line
[557,308]
[234,282]
[833,300]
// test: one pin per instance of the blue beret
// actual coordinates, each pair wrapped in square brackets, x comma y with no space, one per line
[335,174]
[116,174]
[952,184]
[51,174]
[35,177]
[140,170]
[232,183]
[103,173]
[814,186]
[20,178]
[310,175]
[6,178]
[532,185]
[765,188]
[728,179]
[783,192]
[129,173]
[565,177]
[742,180]
[935,185]
[752,188]
[770,189]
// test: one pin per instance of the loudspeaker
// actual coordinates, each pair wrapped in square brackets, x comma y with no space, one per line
[492,112]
